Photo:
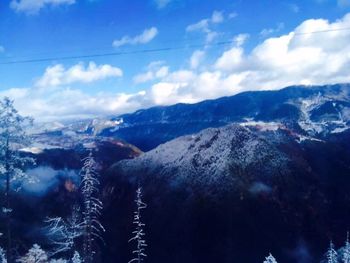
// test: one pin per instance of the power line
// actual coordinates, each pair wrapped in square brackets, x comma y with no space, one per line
[142,51]
[145,51]
[322,31]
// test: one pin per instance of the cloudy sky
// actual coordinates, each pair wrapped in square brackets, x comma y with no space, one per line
[64,59]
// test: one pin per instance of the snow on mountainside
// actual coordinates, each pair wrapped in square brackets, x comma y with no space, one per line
[213,157]
[312,112]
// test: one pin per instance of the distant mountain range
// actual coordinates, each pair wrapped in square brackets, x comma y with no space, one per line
[309,110]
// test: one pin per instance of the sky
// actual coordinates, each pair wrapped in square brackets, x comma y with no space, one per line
[69,59]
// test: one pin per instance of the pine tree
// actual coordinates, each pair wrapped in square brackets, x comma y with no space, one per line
[63,233]
[138,233]
[12,138]
[346,250]
[332,255]
[76,258]
[270,259]
[58,260]
[92,228]
[2,256]
[35,255]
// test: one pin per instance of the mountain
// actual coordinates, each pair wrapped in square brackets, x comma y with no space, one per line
[238,192]
[314,111]
[309,110]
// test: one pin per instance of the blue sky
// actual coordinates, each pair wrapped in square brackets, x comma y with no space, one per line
[263,34]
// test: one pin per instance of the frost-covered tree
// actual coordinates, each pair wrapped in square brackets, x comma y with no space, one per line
[270,259]
[2,256]
[58,260]
[76,258]
[35,255]
[64,232]
[92,228]
[332,255]
[138,233]
[346,250]
[12,138]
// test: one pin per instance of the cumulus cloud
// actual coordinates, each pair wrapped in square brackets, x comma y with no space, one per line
[296,58]
[34,6]
[146,36]
[155,70]
[58,75]
[204,25]
[69,103]
[196,58]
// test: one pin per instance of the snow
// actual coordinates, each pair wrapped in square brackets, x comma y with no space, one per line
[206,159]
[263,126]
[307,106]
[340,129]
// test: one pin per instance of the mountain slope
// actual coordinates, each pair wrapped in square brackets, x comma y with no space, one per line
[239,191]
[315,111]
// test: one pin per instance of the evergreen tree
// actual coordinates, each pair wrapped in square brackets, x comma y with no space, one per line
[12,138]
[35,255]
[2,256]
[92,228]
[63,233]
[332,255]
[270,259]
[139,252]
[58,260]
[76,258]
[346,250]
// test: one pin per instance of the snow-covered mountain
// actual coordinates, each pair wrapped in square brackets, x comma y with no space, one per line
[311,111]
[212,158]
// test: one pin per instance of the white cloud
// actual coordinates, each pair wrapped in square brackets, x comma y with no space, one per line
[232,15]
[294,8]
[34,6]
[217,17]
[58,75]
[292,59]
[162,3]
[199,26]
[269,31]
[155,70]
[146,36]
[67,103]
[204,25]
[196,58]
[240,39]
